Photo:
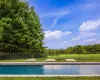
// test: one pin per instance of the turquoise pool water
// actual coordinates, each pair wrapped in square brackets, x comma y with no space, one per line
[51,70]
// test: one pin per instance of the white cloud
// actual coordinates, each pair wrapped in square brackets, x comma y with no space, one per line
[98,41]
[56,34]
[90,5]
[65,42]
[56,13]
[50,44]
[55,21]
[86,29]
[83,35]
[90,40]
[89,25]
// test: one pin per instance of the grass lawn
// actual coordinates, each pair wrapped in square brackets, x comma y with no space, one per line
[81,57]
[49,78]
[61,58]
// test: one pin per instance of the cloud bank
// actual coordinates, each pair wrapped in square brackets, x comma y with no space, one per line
[56,34]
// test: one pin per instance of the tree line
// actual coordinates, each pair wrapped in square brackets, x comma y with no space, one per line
[79,49]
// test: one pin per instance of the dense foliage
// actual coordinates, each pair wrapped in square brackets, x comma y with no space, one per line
[79,49]
[20,30]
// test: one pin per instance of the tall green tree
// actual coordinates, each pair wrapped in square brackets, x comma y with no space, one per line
[20,29]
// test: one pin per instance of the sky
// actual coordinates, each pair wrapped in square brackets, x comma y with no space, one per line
[68,22]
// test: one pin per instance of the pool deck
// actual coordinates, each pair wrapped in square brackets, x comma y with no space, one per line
[49,63]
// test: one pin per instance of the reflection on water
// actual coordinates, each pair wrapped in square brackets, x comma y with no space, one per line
[61,69]
[72,69]
[52,70]
[90,69]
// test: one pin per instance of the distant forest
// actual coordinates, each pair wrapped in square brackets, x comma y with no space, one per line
[79,49]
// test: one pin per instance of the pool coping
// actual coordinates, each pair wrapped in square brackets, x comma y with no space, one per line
[47,75]
[49,63]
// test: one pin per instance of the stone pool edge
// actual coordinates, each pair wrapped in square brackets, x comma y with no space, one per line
[48,75]
[49,63]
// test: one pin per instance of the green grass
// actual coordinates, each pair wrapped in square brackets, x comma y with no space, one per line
[62,57]
[49,78]
[13,60]
[76,56]
[81,57]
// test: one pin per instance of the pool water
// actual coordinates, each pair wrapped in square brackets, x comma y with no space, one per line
[51,70]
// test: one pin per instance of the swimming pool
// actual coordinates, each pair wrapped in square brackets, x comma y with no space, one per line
[50,70]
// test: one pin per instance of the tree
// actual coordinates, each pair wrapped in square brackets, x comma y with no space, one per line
[69,50]
[84,51]
[78,49]
[20,28]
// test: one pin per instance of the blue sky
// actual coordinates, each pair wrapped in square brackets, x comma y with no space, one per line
[69,22]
